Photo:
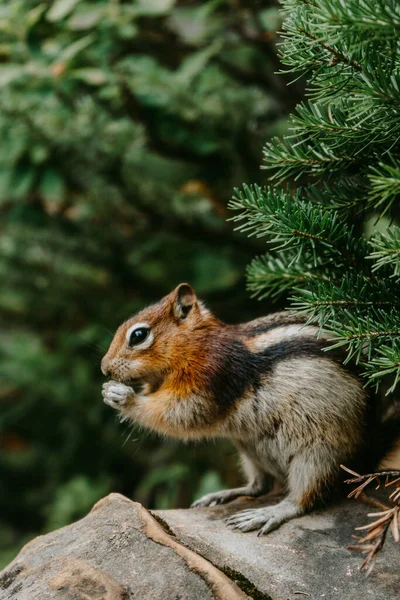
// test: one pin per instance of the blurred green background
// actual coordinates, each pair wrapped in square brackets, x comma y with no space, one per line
[124,127]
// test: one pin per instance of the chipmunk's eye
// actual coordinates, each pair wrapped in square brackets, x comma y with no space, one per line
[138,335]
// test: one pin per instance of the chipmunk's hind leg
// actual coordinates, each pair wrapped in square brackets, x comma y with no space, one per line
[259,483]
[253,489]
[306,482]
[265,519]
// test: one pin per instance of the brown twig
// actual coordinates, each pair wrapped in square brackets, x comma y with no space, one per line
[389,518]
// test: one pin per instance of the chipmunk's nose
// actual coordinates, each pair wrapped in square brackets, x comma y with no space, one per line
[105,366]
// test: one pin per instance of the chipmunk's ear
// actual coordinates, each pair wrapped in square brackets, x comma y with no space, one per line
[184,298]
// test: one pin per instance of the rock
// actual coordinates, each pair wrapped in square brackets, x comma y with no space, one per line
[120,551]
[305,558]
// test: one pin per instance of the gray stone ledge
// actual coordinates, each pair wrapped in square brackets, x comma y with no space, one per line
[121,551]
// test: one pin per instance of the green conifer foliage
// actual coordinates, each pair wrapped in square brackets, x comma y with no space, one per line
[124,127]
[330,212]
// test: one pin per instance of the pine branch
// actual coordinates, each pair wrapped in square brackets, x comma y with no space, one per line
[302,31]
[385,186]
[361,23]
[334,45]
[293,223]
[329,137]
[272,276]
[344,299]
[342,124]
[289,160]
[350,25]
[386,253]
[373,542]
[337,55]
[385,363]
[314,119]
[347,196]
[363,334]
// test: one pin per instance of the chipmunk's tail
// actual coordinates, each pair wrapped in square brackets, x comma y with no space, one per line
[383,427]
[387,444]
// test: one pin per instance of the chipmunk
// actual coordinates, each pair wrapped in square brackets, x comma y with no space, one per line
[294,412]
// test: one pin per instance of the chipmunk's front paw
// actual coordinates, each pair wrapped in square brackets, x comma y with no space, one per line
[117,394]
